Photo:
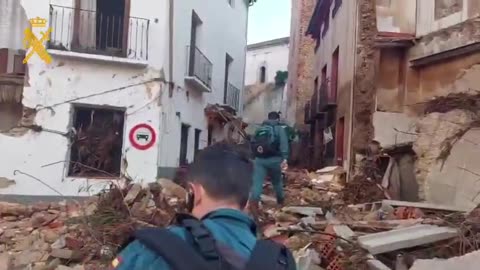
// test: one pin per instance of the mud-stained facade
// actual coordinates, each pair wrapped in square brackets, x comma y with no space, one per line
[403,60]
[119,99]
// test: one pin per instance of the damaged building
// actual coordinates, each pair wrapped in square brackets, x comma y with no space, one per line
[111,92]
[265,80]
[403,75]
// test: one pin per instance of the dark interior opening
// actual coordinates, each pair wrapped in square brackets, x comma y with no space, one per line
[184,144]
[96,150]
[110,24]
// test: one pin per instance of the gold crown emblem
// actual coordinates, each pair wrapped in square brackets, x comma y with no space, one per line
[38,22]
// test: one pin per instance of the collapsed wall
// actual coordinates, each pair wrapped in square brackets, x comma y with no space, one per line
[448,150]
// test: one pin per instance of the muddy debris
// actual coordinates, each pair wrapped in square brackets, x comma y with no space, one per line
[327,223]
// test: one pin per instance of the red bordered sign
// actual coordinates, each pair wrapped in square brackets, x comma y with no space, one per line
[142,136]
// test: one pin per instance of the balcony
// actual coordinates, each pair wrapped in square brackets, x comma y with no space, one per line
[91,32]
[232,98]
[199,70]
[324,102]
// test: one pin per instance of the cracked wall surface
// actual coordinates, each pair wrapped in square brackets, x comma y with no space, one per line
[445,144]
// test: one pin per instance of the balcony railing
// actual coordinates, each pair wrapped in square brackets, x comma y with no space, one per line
[94,32]
[199,67]
[233,96]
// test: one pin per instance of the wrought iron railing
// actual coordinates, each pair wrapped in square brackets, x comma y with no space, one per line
[94,32]
[199,66]
[233,96]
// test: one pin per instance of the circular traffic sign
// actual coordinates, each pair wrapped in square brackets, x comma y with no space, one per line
[142,136]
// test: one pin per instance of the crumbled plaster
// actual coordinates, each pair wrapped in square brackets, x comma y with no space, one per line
[449,38]
[27,121]
[437,132]
[6,182]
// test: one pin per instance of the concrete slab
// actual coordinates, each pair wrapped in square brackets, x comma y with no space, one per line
[306,211]
[417,235]
[341,230]
[470,261]
[422,205]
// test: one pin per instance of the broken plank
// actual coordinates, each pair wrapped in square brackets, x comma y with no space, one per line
[383,242]
[422,205]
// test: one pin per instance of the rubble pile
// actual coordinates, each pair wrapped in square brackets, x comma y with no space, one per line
[318,222]
[334,234]
[82,235]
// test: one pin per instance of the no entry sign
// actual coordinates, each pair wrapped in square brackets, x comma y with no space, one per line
[142,136]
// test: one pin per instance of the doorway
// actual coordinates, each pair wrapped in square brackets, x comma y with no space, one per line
[184,144]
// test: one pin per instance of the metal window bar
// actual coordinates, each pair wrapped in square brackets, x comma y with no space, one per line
[233,96]
[199,66]
[92,32]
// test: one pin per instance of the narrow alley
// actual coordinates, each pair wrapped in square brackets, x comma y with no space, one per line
[107,106]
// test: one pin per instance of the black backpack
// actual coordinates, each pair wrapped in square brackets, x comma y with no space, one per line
[202,252]
[265,142]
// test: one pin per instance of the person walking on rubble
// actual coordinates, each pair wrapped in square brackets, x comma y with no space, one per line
[271,149]
[217,234]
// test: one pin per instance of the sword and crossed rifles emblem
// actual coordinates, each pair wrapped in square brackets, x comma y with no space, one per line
[35,45]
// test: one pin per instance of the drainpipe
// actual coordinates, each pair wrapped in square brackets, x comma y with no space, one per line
[170,46]
[352,114]
[170,84]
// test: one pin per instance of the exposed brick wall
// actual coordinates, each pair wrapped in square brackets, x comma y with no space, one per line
[365,77]
[301,64]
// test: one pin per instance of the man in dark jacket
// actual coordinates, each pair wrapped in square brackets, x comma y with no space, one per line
[219,182]
[271,150]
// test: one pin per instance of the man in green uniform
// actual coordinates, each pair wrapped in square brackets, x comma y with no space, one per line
[270,148]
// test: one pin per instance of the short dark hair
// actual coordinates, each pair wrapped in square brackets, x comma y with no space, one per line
[273,116]
[224,172]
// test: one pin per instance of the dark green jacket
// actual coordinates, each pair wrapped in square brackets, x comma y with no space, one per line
[282,137]
[230,227]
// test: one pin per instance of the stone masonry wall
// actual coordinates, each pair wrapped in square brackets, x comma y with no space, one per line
[365,77]
[302,59]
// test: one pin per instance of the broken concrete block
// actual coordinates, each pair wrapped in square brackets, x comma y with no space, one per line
[27,257]
[305,211]
[469,261]
[341,230]
[133,193]
[169,188]
[66,254]
[422,205]
[13,209]
[417,235]
[60,243]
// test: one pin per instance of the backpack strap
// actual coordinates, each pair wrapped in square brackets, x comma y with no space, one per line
[201,248]
[270,255]
[172,249]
